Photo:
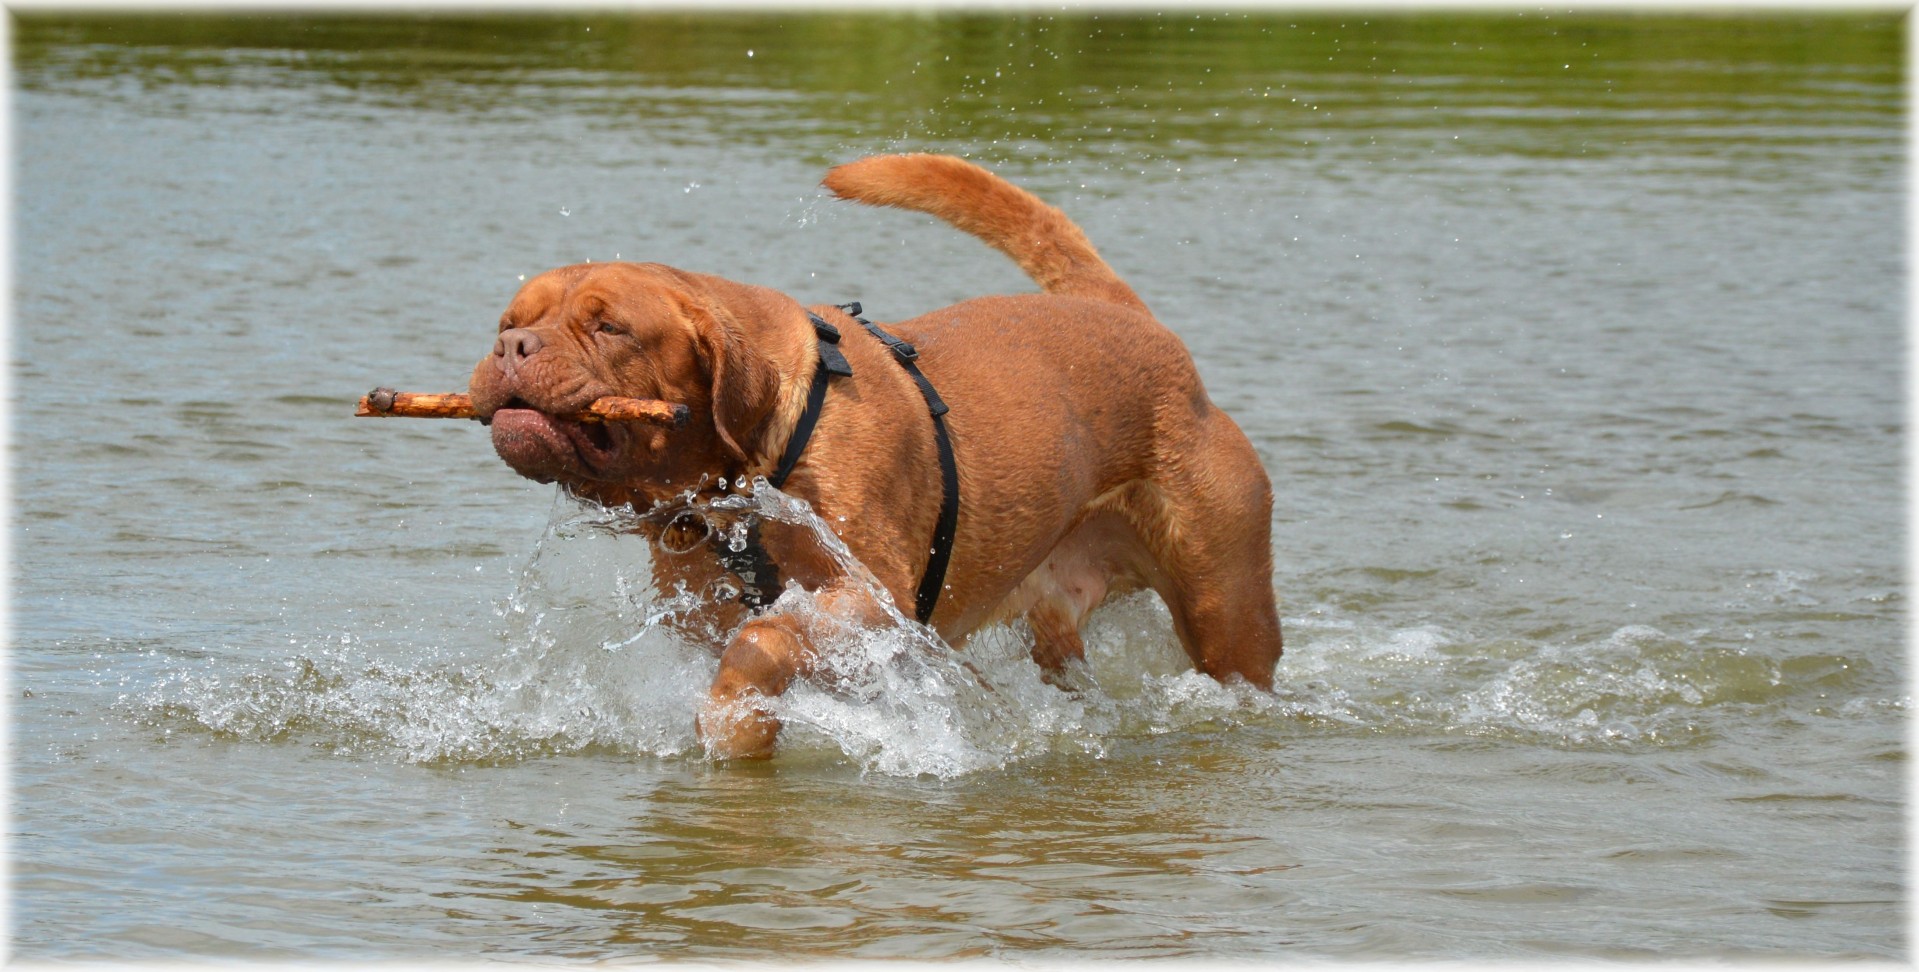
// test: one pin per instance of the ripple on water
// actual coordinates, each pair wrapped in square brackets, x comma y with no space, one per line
[589,661]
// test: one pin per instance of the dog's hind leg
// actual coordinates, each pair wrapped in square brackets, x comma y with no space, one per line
[1100,557]
[1211,533]
[1056,640]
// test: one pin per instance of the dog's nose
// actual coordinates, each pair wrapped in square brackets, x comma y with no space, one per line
[515,346]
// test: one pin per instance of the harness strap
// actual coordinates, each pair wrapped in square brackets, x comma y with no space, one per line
[833,362]
[934,580]
[759,576]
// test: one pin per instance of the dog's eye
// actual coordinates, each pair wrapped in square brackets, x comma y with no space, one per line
[608,327]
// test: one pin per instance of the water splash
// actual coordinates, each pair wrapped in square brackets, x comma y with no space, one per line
[593,657]
[1636,685]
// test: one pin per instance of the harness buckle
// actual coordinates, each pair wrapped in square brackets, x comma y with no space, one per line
[831,360]
[826,332]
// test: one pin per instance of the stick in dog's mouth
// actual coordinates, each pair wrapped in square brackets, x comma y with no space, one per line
[385,402]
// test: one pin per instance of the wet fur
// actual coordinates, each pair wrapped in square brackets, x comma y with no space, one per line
[1091,461]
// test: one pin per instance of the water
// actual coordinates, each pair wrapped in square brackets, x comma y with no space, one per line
[1573,346]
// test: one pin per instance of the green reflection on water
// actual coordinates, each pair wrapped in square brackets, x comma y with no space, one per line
[1165,85]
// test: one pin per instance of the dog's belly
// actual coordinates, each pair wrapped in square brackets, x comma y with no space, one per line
[1100,557]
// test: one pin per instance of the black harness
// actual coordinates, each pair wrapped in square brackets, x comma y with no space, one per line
[759,575]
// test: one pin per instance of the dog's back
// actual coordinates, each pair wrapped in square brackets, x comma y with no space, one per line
[1041,239]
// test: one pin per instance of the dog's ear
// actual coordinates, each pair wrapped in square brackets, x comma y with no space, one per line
[752,339]
[746,382]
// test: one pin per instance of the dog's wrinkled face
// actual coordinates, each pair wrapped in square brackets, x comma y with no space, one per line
[581,333]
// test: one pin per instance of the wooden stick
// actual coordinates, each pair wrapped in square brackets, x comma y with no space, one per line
[389,403]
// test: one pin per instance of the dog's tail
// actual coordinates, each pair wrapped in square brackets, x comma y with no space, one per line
[1045,244]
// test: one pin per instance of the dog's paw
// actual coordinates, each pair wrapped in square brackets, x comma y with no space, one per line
[739,728]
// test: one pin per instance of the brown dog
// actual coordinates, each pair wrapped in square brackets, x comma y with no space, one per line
[1091,463]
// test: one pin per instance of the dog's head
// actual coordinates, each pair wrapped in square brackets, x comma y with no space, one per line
[728,351]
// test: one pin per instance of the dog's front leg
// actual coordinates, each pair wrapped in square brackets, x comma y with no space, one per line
[759,663]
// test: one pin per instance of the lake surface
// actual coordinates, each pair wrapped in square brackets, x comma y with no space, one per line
[1574,347]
